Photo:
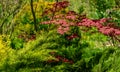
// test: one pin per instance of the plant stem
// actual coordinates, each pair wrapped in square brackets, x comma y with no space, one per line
[34,17]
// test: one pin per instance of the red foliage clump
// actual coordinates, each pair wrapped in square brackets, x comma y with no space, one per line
[65,21]
[65,60]
[27,37]
[106,30]
[59,59]
[72,36]
[56,7]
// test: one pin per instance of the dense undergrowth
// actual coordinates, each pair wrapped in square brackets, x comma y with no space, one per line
[69,38]
[57,54]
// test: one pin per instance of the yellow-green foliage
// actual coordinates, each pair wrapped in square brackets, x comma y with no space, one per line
[39,7]
[4,47]
[34,53]
[24,18]
[24,28]
[75,5]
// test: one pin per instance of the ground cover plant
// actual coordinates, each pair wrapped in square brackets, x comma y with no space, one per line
[60,36]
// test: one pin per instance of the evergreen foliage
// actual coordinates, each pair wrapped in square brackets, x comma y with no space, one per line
[60,45]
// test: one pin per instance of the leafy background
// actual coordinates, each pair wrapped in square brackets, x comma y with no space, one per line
[22,49]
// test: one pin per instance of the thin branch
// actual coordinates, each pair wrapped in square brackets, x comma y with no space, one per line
[33,13]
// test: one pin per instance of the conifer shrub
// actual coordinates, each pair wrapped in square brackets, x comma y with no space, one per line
[64,44]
